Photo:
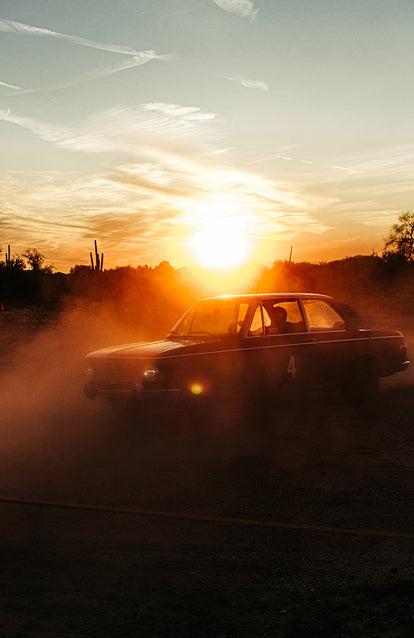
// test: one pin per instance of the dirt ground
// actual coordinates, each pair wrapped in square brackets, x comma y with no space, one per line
[304,461]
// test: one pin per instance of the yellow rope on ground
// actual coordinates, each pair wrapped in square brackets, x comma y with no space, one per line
[207,519]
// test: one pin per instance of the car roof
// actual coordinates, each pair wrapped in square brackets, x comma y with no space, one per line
[271,295]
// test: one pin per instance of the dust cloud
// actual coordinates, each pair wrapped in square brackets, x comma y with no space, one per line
[56,444]
[49,432]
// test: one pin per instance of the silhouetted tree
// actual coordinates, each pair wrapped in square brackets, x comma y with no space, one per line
[36,261]
[400,241]
[80,268]
[14,264]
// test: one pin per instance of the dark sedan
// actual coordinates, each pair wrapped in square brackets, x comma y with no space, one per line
[250,345]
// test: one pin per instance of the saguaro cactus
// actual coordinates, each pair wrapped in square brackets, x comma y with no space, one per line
[98,265]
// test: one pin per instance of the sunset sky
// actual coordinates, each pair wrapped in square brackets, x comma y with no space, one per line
[204,131]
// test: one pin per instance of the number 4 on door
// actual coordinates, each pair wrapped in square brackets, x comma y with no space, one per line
[291,369]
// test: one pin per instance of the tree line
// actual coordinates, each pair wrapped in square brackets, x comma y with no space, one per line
[29,281]
[398,246]
[31,258]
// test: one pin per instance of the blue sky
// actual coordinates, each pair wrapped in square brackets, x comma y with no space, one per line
[141,123]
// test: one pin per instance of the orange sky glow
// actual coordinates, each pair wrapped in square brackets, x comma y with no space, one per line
[207,134]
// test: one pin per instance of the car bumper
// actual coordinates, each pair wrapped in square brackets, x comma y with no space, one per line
[135,391]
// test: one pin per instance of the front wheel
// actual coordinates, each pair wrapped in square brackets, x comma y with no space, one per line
[207,394]
[361,384]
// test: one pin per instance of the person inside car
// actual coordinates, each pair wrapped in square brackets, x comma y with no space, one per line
[278,323]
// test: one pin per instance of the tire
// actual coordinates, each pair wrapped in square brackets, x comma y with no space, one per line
[361,385]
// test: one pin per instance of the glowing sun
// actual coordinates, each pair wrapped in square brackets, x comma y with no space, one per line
[220,242]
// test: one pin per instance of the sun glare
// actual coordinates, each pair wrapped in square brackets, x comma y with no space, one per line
[221,242]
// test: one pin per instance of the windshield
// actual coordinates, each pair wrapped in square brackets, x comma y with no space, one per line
[211,317]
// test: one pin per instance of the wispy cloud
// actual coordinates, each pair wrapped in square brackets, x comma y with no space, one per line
[248,84]
[380,171]
[11,26]
[144,208]
[393,160]
[243,8]
[48,132]
[10,86]
[169,179]
[143,58]
[135,58]
[188,113]
[128,130]
[345,169]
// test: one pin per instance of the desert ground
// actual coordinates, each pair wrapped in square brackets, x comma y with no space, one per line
[313,461]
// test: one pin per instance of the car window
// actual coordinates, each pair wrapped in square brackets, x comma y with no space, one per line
[256,327]
[294,314]
[212,317]
[274,317]
[240,311]
[321,315]
[285,317]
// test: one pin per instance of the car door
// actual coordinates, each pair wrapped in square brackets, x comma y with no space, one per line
[335,344]
[277,359]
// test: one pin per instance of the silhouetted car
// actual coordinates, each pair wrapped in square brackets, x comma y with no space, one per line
[250,345]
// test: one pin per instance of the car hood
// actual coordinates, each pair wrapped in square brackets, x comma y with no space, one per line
[142,350]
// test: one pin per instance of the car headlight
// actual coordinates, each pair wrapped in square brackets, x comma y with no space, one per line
[151,374]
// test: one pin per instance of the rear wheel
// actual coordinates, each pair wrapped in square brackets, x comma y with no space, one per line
[361,385]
